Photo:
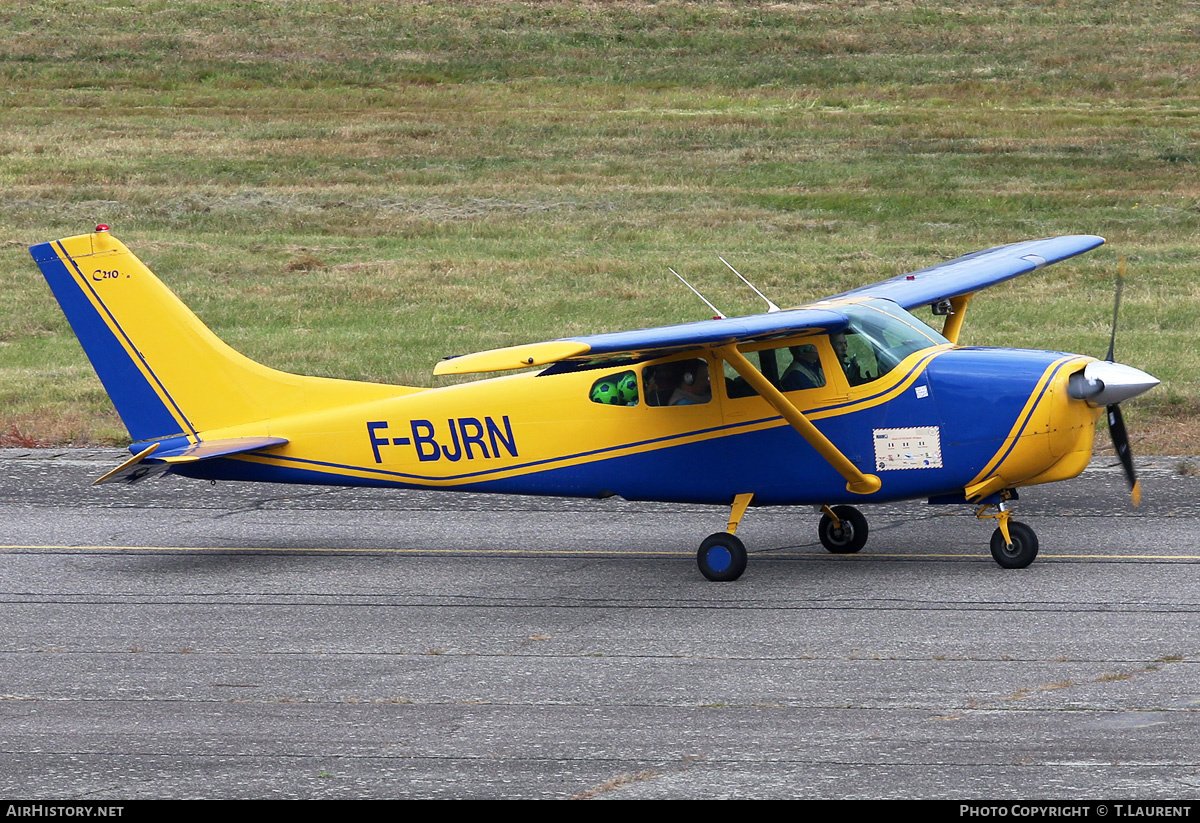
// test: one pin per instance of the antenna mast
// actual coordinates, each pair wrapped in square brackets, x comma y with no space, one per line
[770,306]
[720,315]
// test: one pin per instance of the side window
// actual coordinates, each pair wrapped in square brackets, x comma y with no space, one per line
[803,370]
[680,383]
[736,385]
[788,368]
[616,390]
[878,338]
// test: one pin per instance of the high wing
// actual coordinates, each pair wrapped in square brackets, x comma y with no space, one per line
[979,270]
[657,342]
[954,279]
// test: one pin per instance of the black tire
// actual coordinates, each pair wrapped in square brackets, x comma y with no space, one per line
[1023,550]
[722,557]
[848,537]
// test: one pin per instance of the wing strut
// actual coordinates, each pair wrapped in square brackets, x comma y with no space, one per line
[958,310]
[856,481]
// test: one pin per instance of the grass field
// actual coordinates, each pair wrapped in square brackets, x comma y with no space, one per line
[356,189]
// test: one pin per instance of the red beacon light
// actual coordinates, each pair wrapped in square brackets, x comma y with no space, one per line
[910,277]
[102,227]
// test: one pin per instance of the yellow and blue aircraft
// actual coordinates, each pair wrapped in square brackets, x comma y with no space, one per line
[850,399]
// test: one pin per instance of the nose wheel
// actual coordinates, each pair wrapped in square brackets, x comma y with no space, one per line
[1014,545]
[1019,550]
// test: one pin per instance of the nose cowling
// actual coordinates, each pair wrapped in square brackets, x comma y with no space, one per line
[1103,383]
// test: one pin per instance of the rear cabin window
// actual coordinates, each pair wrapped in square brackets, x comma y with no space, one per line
[678,383]
[619,389]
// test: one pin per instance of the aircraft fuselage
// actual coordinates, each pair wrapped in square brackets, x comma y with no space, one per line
[924,428]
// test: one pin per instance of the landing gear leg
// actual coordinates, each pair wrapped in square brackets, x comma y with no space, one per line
[1014,545]
[722,556]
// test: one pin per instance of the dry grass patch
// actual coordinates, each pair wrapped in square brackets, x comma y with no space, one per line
[478,174]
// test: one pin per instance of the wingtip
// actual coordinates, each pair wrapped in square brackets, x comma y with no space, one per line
[511,357]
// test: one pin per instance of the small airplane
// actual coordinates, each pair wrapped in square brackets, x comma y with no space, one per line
[849,399]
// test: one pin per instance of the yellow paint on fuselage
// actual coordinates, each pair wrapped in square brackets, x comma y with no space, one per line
[1052,438]
[532,422]
[501,427]
[514,424]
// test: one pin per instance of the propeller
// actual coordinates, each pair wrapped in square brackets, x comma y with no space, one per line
[1106,383]
[1116,421]
[1112,340]
[1120,439]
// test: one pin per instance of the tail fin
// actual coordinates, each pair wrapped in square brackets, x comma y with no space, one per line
[166,373]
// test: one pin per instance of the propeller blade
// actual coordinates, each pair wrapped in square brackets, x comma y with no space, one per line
[1120,439]
[1112,341]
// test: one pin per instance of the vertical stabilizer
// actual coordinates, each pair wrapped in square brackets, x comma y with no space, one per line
[166,372]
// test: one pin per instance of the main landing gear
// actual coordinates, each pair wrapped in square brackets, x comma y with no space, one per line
[722,556]
[844,530]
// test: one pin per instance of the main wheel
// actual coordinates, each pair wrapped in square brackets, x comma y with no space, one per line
[848,536]
[721,557]
[1023,550]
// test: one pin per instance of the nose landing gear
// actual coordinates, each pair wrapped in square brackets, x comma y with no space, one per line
[1014,545]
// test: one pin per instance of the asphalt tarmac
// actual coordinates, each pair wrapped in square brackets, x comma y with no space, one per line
[176,639]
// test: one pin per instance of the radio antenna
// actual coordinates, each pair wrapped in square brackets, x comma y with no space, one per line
[770,306]
[716,311]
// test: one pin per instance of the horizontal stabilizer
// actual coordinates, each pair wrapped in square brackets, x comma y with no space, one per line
[134,469]
[208,449]
[153,461]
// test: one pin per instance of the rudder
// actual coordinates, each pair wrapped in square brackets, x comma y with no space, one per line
[166,372]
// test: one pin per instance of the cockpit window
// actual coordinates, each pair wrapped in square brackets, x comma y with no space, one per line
[880,334]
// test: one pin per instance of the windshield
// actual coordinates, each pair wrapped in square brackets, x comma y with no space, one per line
[879,335]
